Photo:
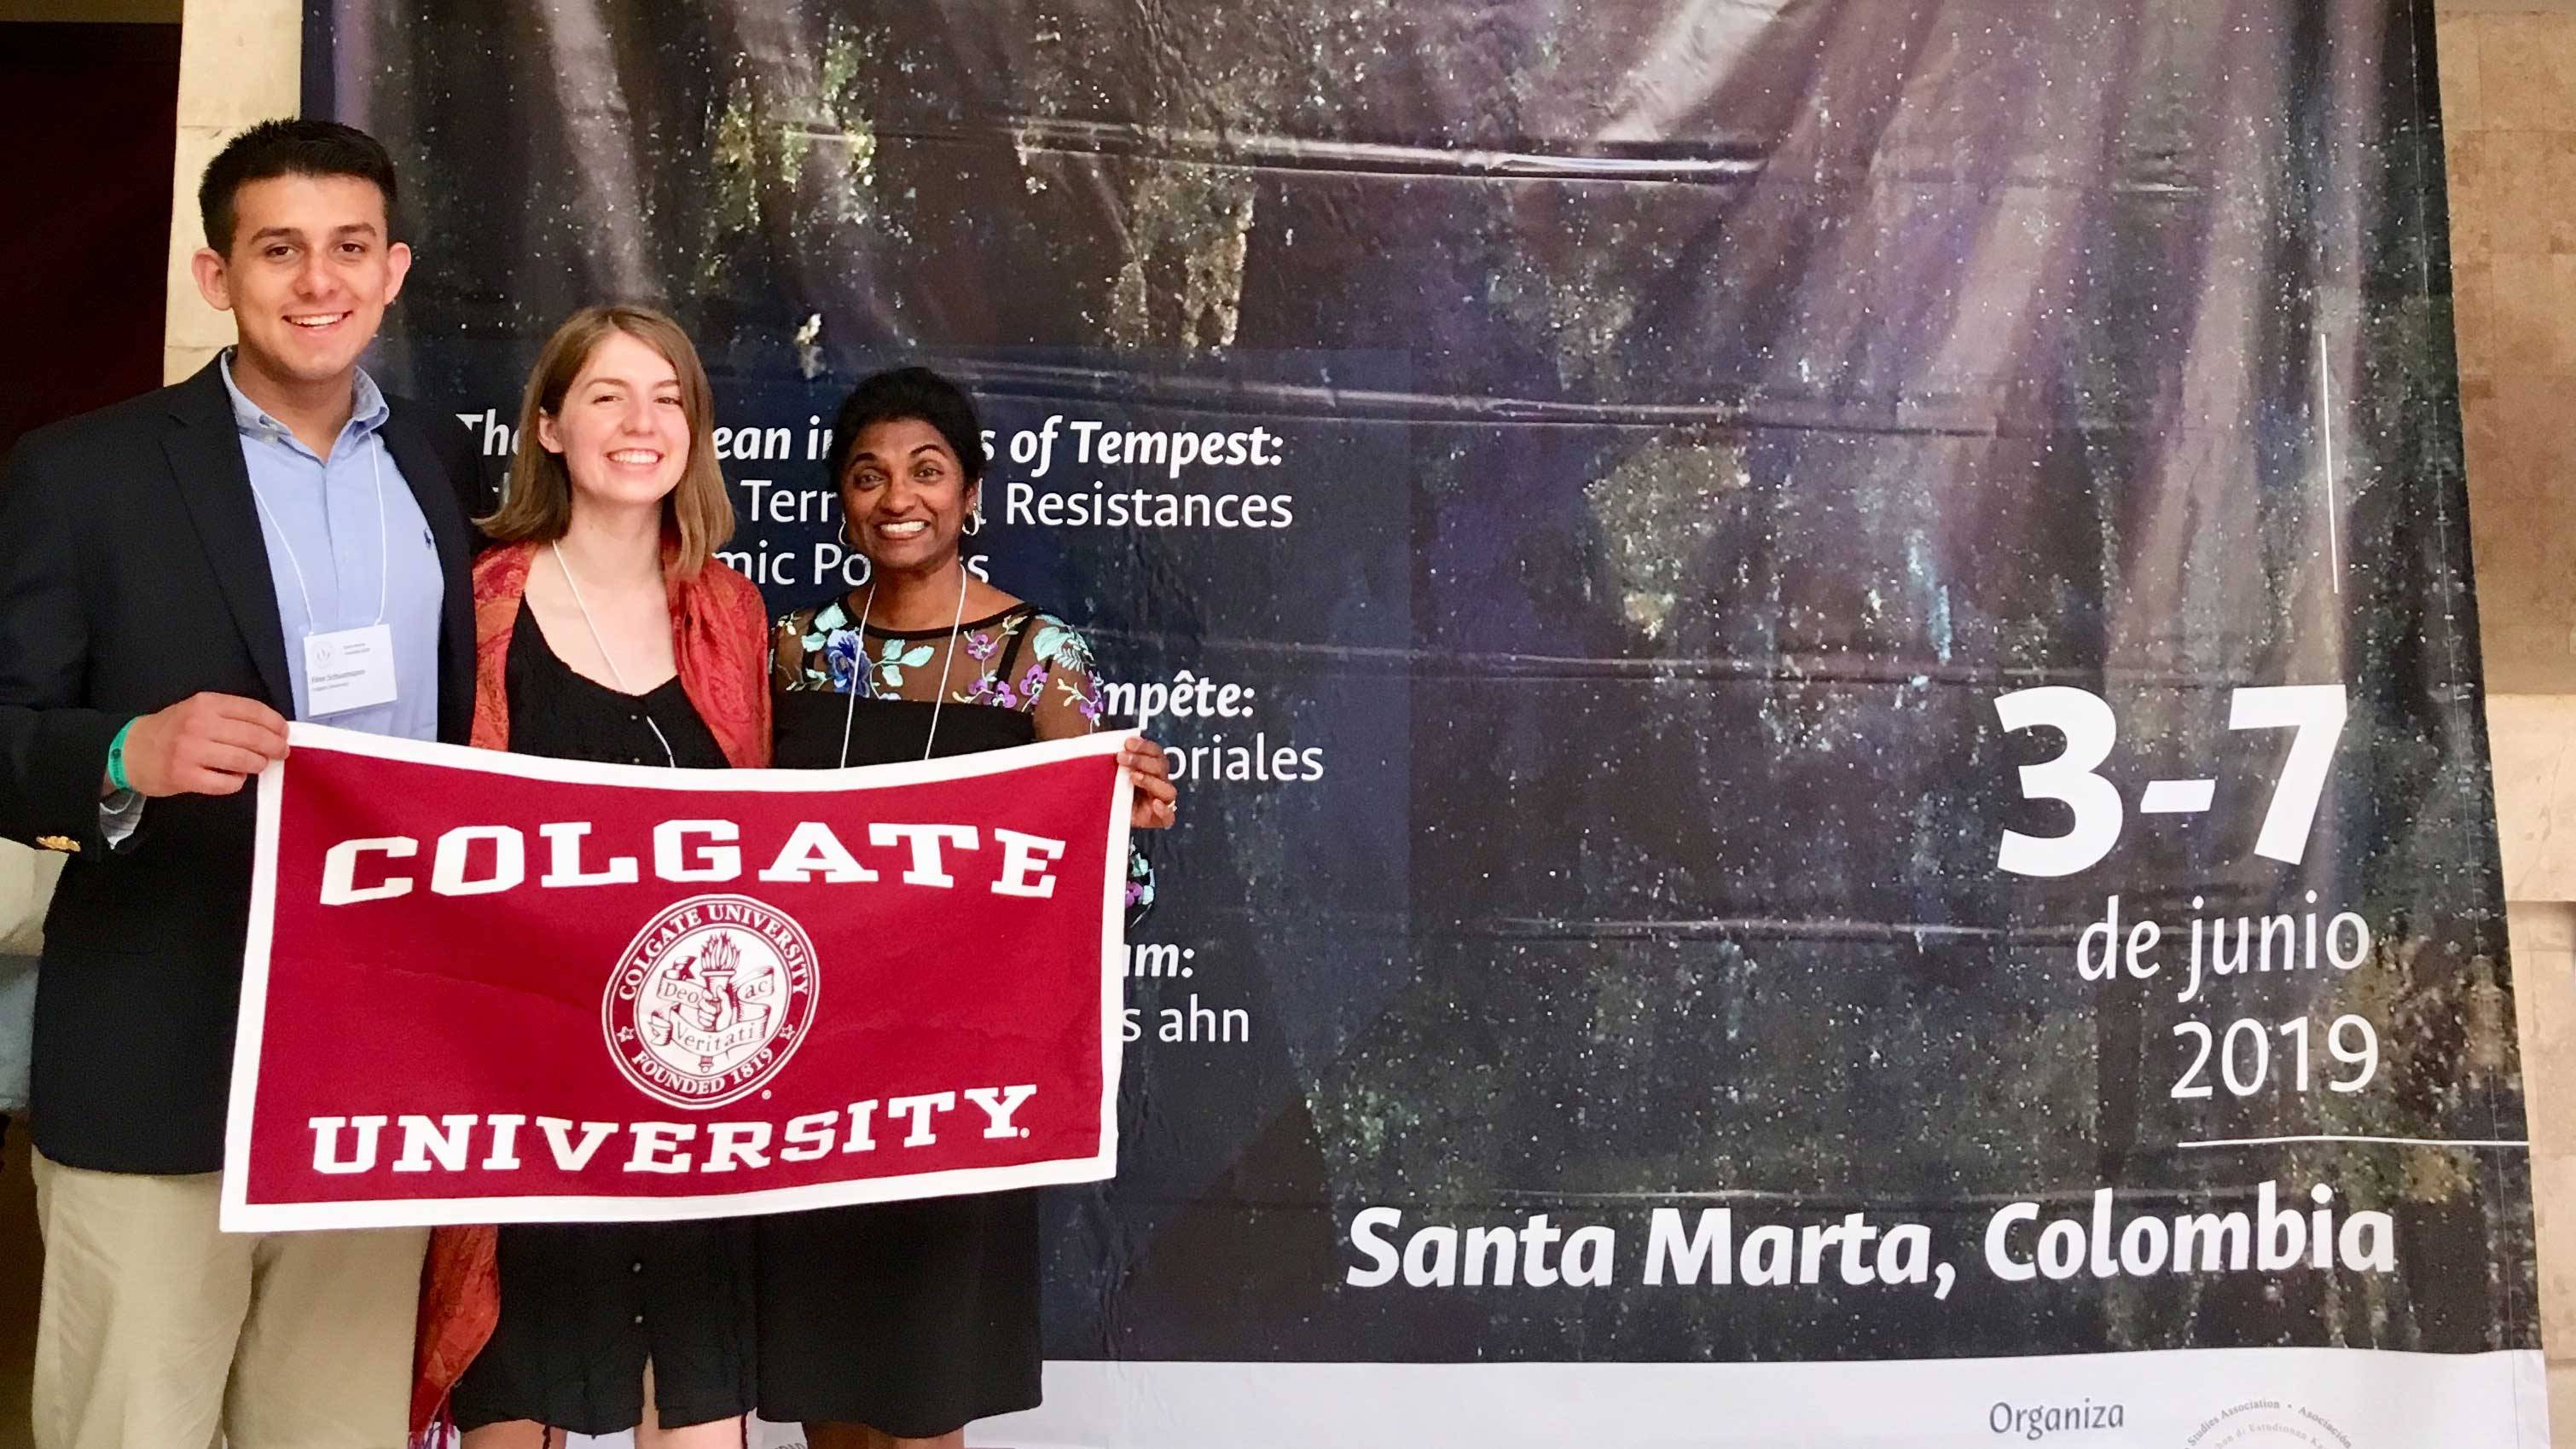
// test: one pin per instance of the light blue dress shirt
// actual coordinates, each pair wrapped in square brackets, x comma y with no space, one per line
[335,565]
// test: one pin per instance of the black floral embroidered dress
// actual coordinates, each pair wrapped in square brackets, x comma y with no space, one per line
[913,1317]
[1022,659]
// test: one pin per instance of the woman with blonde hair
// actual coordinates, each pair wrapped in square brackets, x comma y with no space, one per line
[607,630]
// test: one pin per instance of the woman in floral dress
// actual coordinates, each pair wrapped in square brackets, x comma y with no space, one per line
[896,1323]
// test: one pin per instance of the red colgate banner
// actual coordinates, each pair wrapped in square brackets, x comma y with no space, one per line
[494,988]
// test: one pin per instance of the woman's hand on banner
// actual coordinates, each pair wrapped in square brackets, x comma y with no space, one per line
[1158,803]
[206,744]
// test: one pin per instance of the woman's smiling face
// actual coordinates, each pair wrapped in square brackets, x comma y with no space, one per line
[906,495]
[623,428]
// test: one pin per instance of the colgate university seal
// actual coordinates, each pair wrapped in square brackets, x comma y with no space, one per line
[710,999]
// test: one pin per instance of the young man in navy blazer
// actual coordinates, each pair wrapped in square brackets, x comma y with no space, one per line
[167,567]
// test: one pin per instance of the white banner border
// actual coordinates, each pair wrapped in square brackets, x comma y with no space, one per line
[240,1215]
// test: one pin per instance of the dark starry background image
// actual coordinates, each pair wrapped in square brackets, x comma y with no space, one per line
[1695,417]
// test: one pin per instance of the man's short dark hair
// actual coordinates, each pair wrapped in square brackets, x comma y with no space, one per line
[915,393]
[293,147]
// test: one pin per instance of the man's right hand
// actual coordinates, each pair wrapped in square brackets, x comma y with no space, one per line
[206,744]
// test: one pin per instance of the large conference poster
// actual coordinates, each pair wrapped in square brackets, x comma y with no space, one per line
[1823,656]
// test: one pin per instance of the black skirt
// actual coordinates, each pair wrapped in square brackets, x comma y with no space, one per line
[585,1305]
[912,1318]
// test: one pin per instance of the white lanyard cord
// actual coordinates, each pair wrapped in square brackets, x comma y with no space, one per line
[384,561]
[867,668]
[610,659]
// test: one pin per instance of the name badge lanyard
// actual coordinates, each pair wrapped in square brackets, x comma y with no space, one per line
[867,668]
[610,659]
[384,561]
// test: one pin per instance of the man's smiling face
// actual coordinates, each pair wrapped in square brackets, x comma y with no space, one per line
[308,273]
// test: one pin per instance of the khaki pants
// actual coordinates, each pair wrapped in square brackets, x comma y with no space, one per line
[159,1332]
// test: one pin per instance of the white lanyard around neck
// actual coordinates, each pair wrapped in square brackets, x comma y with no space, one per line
[384,560]
[867,668]
[610,659]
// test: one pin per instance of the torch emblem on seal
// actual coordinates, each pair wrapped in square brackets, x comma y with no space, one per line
[710,1000]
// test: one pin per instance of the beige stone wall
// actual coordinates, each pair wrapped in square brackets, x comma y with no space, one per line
[2509,102]
[240,62]
[2509,112]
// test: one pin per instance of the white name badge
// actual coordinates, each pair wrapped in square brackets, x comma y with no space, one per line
[348,669]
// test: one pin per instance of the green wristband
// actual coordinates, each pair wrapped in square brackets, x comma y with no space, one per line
[116,758]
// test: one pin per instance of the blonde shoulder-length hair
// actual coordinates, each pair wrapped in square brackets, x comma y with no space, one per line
[538,505]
